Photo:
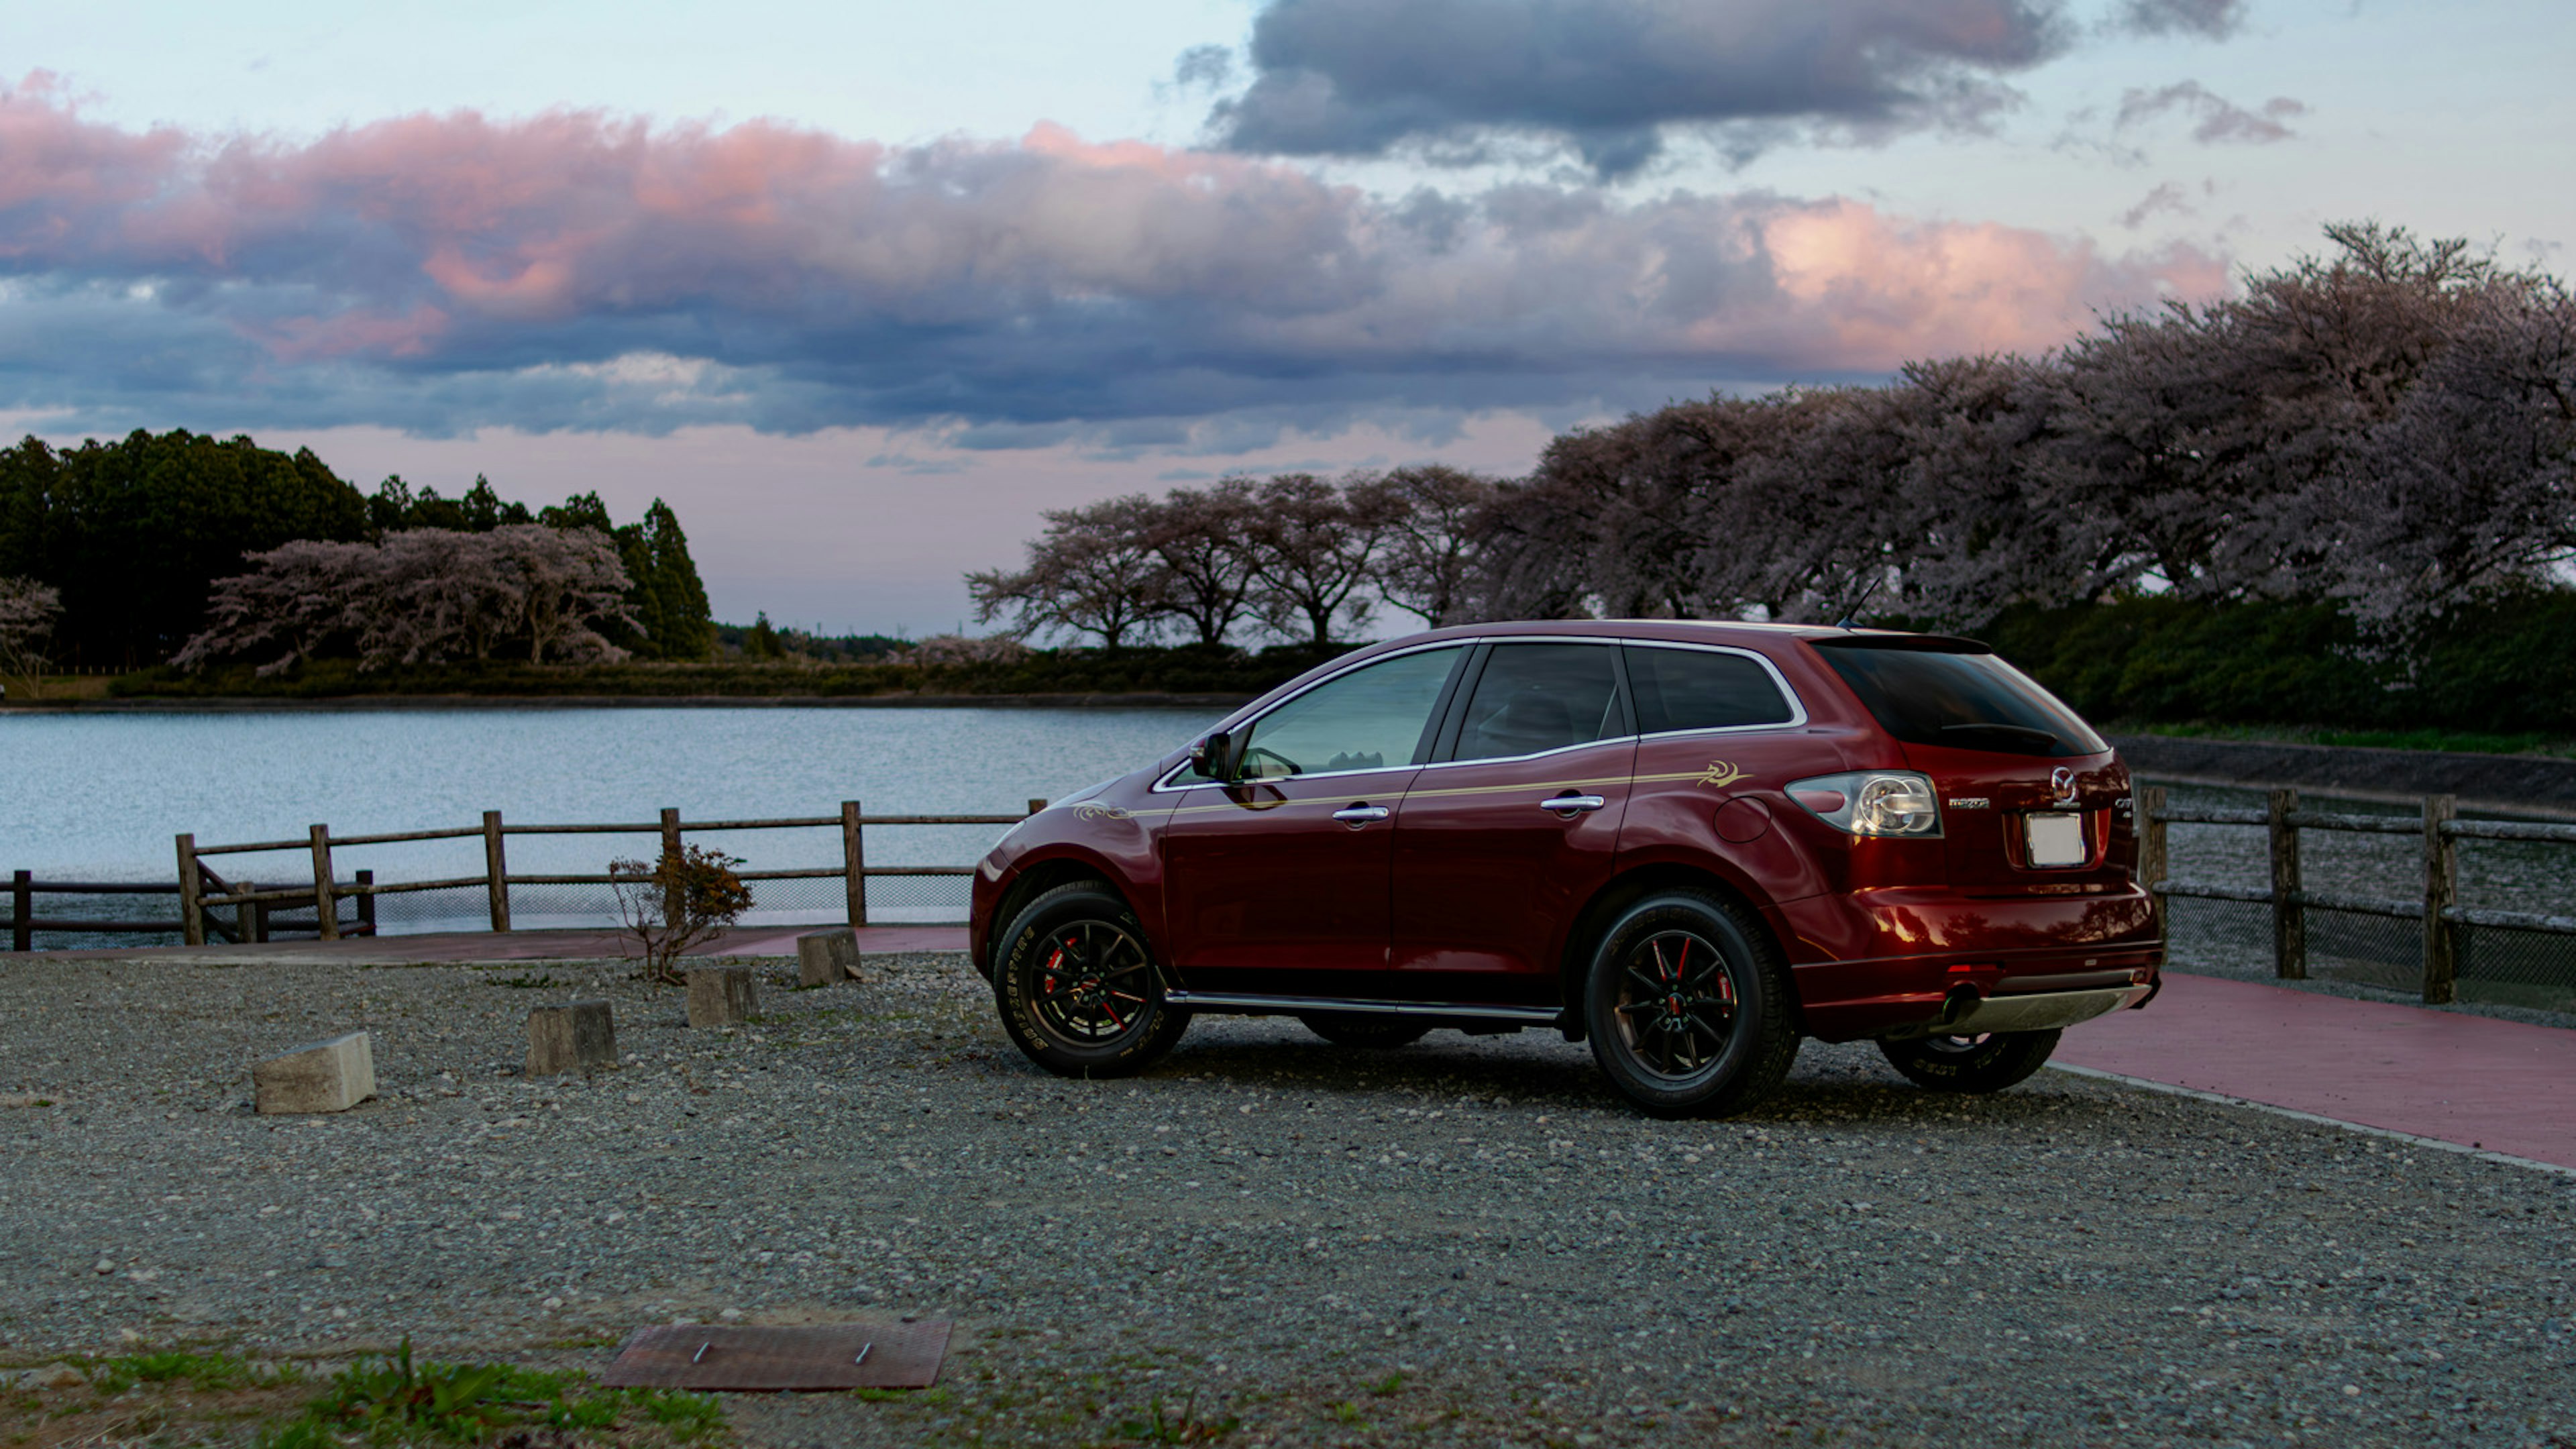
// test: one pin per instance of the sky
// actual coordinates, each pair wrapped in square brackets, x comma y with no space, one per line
[863,288]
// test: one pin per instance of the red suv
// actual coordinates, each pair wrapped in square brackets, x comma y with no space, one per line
[1690,843]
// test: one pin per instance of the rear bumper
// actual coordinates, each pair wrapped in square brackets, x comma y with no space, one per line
[1965,1014]
[1907,957]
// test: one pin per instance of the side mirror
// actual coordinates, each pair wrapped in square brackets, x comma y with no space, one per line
[1217,756]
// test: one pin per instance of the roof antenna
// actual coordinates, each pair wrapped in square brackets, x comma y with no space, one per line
[1861,602]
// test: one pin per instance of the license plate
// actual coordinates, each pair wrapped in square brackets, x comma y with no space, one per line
[2056,839]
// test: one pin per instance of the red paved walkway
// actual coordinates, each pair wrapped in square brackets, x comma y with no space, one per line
[2497,1085]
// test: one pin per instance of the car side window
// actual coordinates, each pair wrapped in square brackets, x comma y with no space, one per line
[1698,689]
[1373,718]
[1538,697]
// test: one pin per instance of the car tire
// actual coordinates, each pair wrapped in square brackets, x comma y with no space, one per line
[1365,1029]
[1715,1035]
[1987,1063]
[1077,986]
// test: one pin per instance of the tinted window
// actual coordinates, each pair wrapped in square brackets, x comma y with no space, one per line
[1368,719]
[1962,701]
[1535,697]
[1693,689]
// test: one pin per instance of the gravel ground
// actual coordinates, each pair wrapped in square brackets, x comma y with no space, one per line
[1466,1241]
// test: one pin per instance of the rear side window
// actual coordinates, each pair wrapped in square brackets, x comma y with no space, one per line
[1696,689]
[1538,697]
[1958,699]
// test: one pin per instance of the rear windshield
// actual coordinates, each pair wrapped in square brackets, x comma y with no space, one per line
[1958,700]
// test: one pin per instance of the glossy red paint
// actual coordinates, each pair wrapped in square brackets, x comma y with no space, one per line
[1473,893]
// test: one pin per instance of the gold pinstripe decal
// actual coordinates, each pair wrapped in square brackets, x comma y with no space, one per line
[1720,773]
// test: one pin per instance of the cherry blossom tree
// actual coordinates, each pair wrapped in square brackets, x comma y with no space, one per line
[28,611]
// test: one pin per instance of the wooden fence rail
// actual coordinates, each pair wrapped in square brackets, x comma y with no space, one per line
[2437,909]
[200,890]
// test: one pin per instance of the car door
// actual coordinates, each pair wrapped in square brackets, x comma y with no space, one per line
[1513,826]
[1278,884]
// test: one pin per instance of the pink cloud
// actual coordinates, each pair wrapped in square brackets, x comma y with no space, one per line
[1048,277]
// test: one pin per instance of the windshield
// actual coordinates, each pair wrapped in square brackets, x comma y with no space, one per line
[1957,700]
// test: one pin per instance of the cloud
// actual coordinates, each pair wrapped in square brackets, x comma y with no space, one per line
[1361,77]
[2210,19]
[438,274]
[2216,120]
[2169,197]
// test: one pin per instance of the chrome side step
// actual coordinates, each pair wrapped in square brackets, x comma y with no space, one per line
[1249,1004]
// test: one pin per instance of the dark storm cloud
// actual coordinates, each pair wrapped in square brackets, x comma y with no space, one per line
[443,273]
[1358,77]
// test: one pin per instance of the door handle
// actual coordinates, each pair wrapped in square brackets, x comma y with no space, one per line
[1569,806]
[1358,815]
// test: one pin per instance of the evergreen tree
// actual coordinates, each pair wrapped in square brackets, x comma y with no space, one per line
[131,532]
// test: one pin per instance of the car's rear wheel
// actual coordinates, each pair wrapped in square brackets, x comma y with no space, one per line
[1365,1029]
[1987,1063]
[1077,987]
[1687,1007]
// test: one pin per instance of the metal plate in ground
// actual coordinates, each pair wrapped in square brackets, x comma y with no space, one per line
[821,1357]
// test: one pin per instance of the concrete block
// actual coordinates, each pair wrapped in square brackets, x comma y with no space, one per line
[720,995]
[322,1076]
[824,957]
[579,1037]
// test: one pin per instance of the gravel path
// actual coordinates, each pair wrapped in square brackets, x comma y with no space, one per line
[1466,1241]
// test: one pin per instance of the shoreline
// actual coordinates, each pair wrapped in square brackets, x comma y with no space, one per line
[259,704]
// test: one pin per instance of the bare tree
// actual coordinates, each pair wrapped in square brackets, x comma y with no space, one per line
[1210,549]
[1316,545]
[1434,524]
[28,612]
[1093,571]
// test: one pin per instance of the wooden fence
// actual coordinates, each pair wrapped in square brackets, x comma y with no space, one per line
[201,891]
[2438,910]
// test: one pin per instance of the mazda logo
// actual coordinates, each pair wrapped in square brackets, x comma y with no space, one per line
[2061,785]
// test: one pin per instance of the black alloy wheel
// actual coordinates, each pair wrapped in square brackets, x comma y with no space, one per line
[1077,987]
[1366,1029]
[1687,1007]
[1987,1063]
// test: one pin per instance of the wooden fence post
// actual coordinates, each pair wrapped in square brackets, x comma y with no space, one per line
[854,863]
[496,870]
[326,904]
[192,894]
[2289,918]
[2441,891]
[2152,852]
[366,903]
[22,910]
[672,906]
[251,917]
[1037,807]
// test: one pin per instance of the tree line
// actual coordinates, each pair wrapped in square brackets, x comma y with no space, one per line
[2387,430]
[157,546]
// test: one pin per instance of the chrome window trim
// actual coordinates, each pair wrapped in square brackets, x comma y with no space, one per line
[1164,786]
[1797,707]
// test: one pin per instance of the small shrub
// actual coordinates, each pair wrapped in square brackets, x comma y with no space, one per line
[682,901]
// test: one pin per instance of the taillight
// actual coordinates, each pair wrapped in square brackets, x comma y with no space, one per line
[1872,802]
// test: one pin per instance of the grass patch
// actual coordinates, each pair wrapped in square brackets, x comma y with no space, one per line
[193,1396]
[393,1400]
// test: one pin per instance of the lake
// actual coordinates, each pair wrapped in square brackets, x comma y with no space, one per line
[100,796]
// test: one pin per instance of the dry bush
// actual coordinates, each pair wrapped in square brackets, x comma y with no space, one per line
[680,902]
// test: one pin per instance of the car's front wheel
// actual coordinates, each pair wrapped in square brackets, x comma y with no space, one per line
[1986,1063]
[1077,987]
[1687,1007]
